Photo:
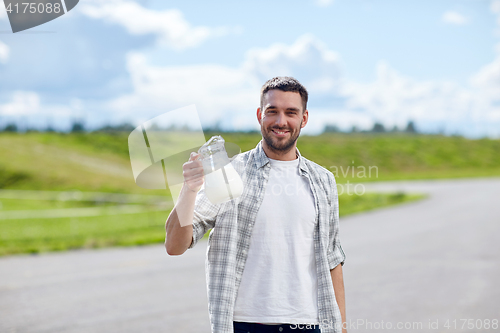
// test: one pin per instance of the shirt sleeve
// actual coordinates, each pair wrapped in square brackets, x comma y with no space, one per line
[204,217]
[335,253]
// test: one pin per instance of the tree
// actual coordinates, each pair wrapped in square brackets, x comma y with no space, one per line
[410,128]
[331,129]
[378,128]
[11,128]
[125,127]
[77,127]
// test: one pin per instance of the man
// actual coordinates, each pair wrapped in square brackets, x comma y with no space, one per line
[274,260]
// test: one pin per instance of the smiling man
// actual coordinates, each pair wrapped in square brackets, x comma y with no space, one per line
[274,261]
[281,116]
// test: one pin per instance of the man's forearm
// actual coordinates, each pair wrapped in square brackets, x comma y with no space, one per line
[179,228]
[178,238]
[338,287]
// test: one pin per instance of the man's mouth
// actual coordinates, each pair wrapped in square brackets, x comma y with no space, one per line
[279,132]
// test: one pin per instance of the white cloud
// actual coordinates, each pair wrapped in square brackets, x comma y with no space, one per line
[486,84]
[452,17]
[308,59]
[3,14]
[169,25]
[216,90]
[224,93]
[488,78]
[495,6]
[22,103]
[231,95]
[391,98]
[323,3]
[4,53]
[495,9]
[395,98]
[27,103]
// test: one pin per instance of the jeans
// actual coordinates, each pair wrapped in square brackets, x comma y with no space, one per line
[240,327]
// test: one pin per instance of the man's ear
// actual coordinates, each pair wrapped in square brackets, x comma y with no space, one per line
[305,118]
[259,115]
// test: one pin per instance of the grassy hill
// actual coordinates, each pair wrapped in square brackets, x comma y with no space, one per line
[65,169]
[100,162]
[57,161]
[395,156]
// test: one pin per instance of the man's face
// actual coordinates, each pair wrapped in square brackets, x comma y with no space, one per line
[281,118]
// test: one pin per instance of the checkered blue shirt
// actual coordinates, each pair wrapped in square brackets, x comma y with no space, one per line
[232,224]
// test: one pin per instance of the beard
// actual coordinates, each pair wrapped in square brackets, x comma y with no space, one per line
[280,146]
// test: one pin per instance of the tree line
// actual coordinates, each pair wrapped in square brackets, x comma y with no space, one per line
[377,128]
[79,127]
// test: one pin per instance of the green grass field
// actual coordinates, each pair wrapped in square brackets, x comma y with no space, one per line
[39,234]
[99,162]
[375,157]
[57,234]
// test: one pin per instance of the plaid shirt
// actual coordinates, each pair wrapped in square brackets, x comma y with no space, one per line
[232,223]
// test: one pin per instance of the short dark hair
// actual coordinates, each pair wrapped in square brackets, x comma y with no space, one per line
[284,83]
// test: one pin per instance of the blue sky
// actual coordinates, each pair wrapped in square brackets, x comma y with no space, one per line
[388,61]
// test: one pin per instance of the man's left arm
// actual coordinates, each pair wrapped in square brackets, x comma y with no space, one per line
[336,256]
[338,287]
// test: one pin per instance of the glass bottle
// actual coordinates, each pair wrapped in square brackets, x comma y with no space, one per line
[222,182]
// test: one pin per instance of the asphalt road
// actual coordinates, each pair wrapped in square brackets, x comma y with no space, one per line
[411,268]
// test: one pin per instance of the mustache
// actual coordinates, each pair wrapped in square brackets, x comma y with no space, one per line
[280,128]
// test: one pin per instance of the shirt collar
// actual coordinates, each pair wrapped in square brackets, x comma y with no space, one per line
[261,158]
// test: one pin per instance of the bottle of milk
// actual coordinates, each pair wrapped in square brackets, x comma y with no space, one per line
[222,182]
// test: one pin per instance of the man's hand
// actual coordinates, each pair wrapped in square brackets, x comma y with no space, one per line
[192,171]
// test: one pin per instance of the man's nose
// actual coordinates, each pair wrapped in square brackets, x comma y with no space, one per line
[281,120]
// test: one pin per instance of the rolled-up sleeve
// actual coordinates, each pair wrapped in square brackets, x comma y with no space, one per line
[335,253]
[204,217]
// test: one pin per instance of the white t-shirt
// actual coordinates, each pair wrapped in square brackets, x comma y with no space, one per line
[279,282]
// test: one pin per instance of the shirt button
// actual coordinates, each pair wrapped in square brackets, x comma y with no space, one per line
[244,251]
